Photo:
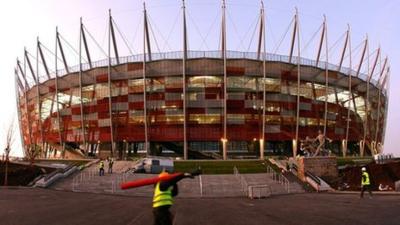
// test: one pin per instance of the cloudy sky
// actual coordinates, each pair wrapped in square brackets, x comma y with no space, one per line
[22,21]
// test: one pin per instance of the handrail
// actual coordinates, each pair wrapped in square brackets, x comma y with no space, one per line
[308,174]
[243,183]
[278,177]
[313,177]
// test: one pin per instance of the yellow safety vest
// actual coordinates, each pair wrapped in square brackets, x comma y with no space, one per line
[162,198]
[101,165]
[366,181]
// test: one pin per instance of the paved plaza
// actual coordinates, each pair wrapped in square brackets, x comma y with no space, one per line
[48,207]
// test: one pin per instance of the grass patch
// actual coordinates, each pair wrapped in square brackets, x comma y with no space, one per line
[221,167]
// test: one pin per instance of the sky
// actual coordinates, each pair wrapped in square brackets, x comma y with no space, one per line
[22,21]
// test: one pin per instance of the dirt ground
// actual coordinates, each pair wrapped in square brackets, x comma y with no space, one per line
[21,175]
[385,174]
[42,207]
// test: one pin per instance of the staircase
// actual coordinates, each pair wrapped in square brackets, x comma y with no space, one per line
[227,185]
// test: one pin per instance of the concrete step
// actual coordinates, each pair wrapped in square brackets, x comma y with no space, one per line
[202,186]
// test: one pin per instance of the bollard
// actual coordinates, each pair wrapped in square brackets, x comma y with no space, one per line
[201,186]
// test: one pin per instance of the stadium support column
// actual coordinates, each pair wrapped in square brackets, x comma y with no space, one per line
[296,32]
[86,46]
[18,88]
[344,142]
[110,36]
[43,60]
[349,100]
[380,87]
[262,39]
[67,71]
[57,95]
[146,39]
[361,142]
[223,46]
[185,146]
[38,96]
[35,78]
[80,87]
[23,72]
[324,38]
[62,53]
[367,103]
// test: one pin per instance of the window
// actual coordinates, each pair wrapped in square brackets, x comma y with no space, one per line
[204,81]
[205,119]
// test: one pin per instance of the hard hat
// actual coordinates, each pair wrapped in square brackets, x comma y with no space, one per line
[163,174]
[363,169]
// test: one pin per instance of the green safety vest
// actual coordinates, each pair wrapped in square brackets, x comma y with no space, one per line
[366,181]
[162,198]
[101,165]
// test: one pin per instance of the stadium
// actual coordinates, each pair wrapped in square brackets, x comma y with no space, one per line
[201,104]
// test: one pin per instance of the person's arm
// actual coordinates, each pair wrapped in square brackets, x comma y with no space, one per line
[363,177]
[164,185]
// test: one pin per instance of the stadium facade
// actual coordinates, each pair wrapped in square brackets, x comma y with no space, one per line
[200,104]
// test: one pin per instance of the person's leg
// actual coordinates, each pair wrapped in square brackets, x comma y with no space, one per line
[369,191]
[155,216]
[165,217]
[362,191]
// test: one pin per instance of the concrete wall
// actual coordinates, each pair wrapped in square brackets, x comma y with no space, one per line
[319,166]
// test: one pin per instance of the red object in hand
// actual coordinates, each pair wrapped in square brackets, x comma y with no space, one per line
[148,181]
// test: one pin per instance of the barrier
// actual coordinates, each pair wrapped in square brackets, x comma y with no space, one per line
[259,191]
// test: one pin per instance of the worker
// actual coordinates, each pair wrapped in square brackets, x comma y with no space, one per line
[110,165]
[365,183]
[163,197]
[101,168]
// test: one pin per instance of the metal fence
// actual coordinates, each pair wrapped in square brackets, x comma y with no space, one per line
[279,178]
[213,54]
[228,185]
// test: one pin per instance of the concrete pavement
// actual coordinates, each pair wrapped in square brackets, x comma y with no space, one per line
[45,207]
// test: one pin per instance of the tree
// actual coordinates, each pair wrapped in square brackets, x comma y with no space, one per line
[9,141]
[32,151]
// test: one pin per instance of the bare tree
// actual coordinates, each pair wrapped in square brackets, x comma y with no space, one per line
[32,151]
[9,141]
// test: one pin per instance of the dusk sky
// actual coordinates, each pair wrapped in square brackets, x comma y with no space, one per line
[21,21]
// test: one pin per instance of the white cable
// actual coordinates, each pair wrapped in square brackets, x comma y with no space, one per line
[122,36]
[283,37]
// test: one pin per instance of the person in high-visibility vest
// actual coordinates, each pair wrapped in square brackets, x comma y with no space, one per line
[365,183]
[164,192]
[101,168]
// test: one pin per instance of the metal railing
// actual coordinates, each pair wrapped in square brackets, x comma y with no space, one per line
[214,55]
[83,177]
[252,191]
[279,178]
[244,186]
[259,191]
